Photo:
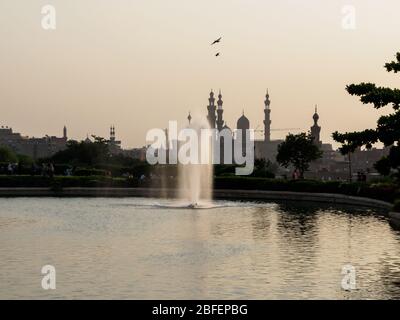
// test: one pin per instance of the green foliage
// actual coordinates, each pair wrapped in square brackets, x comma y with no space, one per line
[24,159]
[60,182]
[352,140]
[381,191]
[388,127]
[379,96]
[385,191]
[224,169]
[95,159]
[7,155]
[396,206]
[82,153]
[383,166]
[263,168]
[90,172]
[394,65]
[298,150]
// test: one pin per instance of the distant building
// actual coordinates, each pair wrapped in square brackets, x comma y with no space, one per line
[115,148]
[364,160]
[266,149]
[243,124]
[136,153]
[316,129]
[114,145]
[332,165]
[32,147]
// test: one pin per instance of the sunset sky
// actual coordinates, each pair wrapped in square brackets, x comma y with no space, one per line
[138,63]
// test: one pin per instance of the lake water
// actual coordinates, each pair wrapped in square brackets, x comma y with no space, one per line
[135,248]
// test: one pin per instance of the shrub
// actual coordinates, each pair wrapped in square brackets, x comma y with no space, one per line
[396,206]
[381,191]
[90,172]
[60,182]
[7,155]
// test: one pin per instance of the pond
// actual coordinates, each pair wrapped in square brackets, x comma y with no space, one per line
[137,248]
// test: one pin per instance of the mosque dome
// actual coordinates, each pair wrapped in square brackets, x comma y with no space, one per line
[243,122]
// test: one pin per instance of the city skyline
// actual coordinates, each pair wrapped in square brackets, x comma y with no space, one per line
[259,129]
[265,131]
[108,63]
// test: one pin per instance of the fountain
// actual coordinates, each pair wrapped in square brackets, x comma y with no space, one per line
[195,181]
[192,178]
[195,185]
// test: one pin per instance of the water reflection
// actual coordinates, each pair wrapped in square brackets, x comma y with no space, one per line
[135,248]
[261,223]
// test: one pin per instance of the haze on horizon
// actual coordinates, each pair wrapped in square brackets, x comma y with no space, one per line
[137,64]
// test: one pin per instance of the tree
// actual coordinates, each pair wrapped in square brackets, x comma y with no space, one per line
[96,154]
[24,159]
[298,150]
[388,127]
[7,155]
[83,153]
[264,168]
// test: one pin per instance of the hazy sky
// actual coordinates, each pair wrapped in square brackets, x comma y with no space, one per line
[139,63]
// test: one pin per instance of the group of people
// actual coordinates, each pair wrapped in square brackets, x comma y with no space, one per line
[296,175]
[47,170]
[11,168]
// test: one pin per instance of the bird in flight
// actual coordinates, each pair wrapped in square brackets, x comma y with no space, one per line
[217,54]
[217,41]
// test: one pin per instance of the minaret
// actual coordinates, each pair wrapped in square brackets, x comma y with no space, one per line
[316,129]
[211,110]
[65,133]
[112,133]
[167,145]
[243,124]
[220,111]
[267,119]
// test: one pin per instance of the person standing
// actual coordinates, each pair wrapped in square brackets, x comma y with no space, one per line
[10,169]
[51,170]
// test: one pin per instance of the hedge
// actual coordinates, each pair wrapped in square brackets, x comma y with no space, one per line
[64,182]
[385,191]
[396,206]
[381,191]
